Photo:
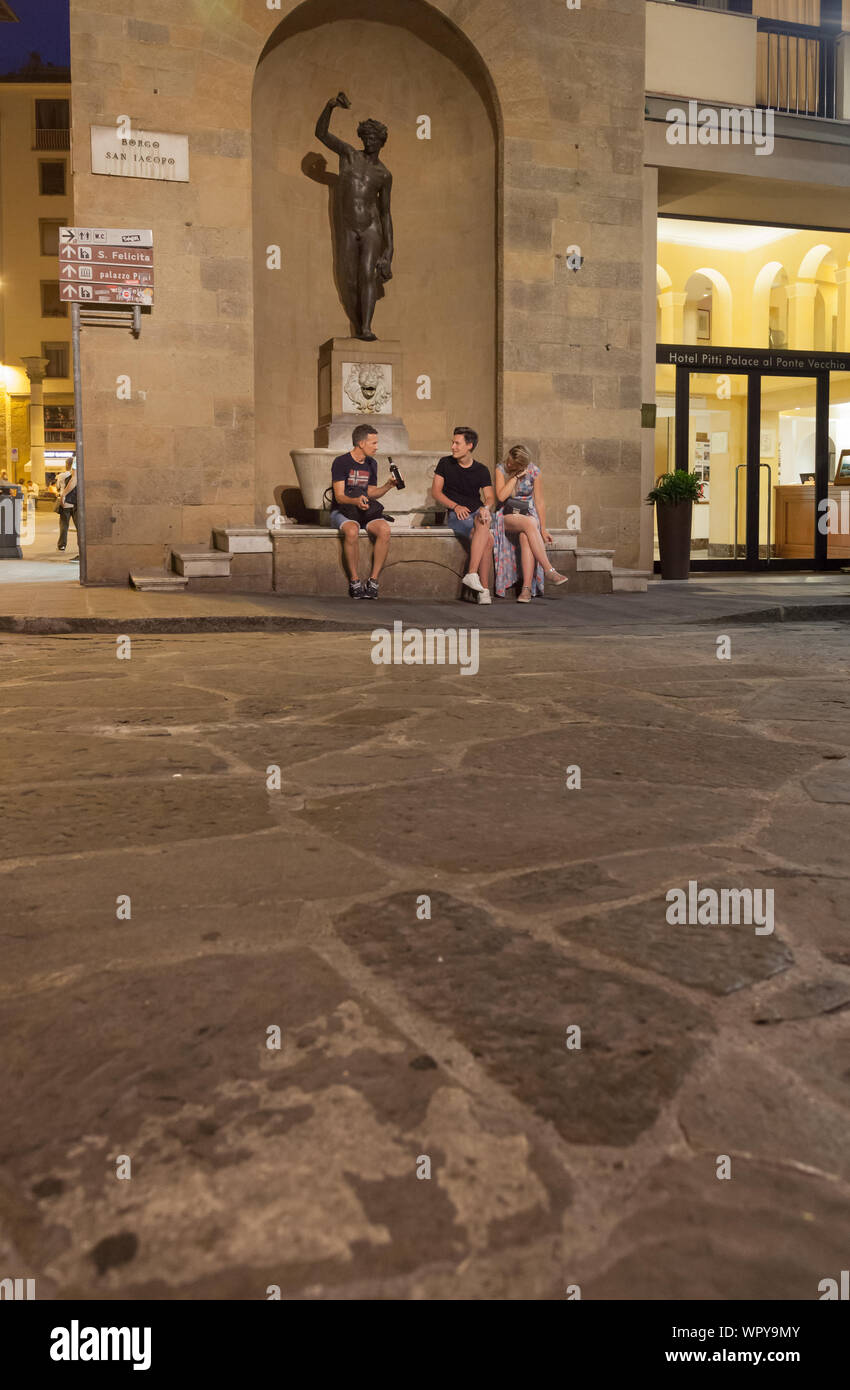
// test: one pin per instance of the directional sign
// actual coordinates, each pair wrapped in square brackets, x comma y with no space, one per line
[107,294]
[106,255]
[104,236]
[105,266]
[108,274]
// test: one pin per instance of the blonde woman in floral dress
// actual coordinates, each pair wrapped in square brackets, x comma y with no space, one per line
[521,519]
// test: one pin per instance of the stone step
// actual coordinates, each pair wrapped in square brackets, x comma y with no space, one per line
[599,560]
[243,540]
[630,581]
[563,539]
[158,581]
[201,564]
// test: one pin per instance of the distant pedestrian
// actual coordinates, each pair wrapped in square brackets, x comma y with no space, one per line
[67,504]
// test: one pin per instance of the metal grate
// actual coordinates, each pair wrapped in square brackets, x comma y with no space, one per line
[53,139]
[796,69]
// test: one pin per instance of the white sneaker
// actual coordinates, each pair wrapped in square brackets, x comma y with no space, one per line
[473,582]
[484,596]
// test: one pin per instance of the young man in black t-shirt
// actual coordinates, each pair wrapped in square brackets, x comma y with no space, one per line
[354,479]
[458,482]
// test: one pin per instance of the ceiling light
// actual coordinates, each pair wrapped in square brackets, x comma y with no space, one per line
[718,236]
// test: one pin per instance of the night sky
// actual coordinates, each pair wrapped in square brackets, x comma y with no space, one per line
[43,29]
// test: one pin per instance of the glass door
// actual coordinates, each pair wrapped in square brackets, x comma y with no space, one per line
[717,452]
[772,450]
[788,450]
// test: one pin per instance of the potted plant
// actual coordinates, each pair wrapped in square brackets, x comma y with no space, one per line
[674,495]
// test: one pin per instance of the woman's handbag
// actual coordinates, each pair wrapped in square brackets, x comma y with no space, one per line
[519,505]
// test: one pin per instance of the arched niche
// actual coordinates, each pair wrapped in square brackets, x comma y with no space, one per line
[707,289]
[707,284]
[769,310]
[396,63]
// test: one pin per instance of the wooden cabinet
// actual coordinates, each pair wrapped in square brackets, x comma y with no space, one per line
[794,523]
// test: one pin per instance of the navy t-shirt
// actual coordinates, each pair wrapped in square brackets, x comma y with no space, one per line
[356,476]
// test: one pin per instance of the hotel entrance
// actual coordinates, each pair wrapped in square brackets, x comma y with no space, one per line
[766,423]
[764,431]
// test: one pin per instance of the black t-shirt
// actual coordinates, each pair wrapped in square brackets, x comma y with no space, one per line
[356,476]
[461,485]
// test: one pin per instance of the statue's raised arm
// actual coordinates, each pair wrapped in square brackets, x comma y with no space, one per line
[323,126]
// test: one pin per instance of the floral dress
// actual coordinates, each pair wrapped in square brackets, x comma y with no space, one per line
[506,556]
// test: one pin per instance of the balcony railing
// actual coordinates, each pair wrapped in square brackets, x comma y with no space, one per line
[716,51]
[796,69]
[53,139]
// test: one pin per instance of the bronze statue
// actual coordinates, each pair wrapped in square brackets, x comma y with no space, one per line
[365,226]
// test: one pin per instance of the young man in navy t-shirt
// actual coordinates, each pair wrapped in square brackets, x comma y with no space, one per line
[354,477]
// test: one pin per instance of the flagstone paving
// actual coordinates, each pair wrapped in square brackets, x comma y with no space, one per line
[502,1070]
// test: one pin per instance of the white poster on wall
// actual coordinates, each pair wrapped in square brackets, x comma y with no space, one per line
[139,154]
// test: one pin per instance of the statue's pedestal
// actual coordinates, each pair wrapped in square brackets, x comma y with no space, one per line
[360,384]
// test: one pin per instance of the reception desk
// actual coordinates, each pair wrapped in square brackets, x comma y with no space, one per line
[794,523]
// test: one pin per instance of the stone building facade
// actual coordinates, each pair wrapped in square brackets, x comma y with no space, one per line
[536,141]
[35,197]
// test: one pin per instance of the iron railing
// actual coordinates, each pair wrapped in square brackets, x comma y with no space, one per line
[52,139]
[796,69]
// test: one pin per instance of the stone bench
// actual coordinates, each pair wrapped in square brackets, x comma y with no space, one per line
[424,563]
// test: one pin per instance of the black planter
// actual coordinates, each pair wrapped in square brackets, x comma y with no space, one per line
[674,538]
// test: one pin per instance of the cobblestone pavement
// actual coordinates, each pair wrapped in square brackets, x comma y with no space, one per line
[165,907]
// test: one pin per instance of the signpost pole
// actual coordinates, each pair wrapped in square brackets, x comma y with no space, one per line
[101,266]
[78,423]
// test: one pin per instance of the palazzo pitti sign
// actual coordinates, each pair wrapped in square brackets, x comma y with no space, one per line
[139,154]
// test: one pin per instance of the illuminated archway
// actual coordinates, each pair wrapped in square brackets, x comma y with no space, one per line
[763,332]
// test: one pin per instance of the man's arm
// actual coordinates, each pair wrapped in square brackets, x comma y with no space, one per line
[323,123]
[439,496]
[375,491]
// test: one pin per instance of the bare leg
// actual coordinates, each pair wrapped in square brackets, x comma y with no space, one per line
[485,574]
[348,275]
[350,541]
[481,551]
[527,526]
[528,561]
[380,532]
[371,243]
